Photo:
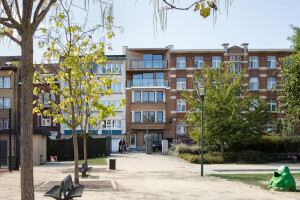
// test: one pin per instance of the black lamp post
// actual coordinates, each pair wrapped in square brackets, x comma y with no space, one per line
[201,92]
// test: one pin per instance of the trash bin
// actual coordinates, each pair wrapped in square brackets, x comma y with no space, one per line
[112,163]
[282,179]
[13,162]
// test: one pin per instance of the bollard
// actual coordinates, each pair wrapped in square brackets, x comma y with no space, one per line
[112,163]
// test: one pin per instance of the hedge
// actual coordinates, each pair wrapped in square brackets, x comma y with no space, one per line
[64,148]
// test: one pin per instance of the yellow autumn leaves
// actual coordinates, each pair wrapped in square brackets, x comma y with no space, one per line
[205,11]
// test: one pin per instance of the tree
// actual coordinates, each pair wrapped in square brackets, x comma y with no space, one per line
[80,90]
[290,86]
[229,117]
[19,24]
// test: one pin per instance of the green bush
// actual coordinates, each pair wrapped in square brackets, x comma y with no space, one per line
[247,157]
[208,158]
[185,149]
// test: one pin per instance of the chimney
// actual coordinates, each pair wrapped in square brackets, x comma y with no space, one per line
[225,46]
[245,47]
[171,47]
[124,49]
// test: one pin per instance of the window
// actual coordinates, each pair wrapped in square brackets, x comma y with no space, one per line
[181,83]
[112,68]
[253,62]
[159,96]
[159,78]
[46,121]
[148,96]
[198,62]
[181,105]
[272,104]
[271,82]
[159,116]
[137,117]
[253,83]
[198,83]
[4,82]
[155,137]
[148,116]
[48,99]
[95,69]
[117,68]
[116,87]
[152,61]
[137,96]
[180,128]
[232,59]
[271,61]
[216,61]
[5,103]
[180,62]
[109,124]
[4,124]
[254,104]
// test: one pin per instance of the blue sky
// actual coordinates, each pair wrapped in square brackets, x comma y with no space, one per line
[262,24]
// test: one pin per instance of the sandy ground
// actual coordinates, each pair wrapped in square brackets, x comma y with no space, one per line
[142,176]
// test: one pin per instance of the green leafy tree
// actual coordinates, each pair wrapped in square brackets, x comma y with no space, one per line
[290,86]
[81,90]
[229,118]
[19,22]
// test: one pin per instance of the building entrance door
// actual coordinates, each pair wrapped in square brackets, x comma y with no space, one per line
[133,140]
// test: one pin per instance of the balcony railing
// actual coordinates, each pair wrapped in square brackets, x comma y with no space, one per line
[143,64]
[146,82]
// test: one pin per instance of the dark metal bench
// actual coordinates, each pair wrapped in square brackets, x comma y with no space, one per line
[66,190]
[84,169]
[285,158]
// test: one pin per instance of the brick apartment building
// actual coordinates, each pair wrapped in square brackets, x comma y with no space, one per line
[171,71]
[148,95]
[8,99]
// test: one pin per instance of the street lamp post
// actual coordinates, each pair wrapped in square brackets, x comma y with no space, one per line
[201,92]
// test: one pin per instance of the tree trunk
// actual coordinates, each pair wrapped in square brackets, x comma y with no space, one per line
[26,158]
[85,150]
[222,147]
[76,169]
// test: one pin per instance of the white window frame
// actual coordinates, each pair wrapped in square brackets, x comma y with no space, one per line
[273,105]
[118,87]
[6,124]
[6,103]
[271,82]
[216,61]
[198,62]
[254,104]
[232,62]
[181,62]
[181,83]
[46,119]
[181,105]
[253,62]
[6,82]
[254,83]
[180,128]
[271,60]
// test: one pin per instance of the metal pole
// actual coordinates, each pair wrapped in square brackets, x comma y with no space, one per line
[9,159]
[202,99]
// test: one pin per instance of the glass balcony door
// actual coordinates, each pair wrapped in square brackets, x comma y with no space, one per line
[152,61]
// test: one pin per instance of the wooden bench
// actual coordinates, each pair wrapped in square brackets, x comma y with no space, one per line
[84,169]
[66,190]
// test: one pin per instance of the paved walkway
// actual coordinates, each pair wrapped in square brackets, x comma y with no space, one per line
[141,176]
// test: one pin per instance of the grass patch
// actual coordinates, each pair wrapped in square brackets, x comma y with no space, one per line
[260,180]
[95,161]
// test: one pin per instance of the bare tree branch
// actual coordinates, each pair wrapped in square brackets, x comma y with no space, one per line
[37,10]
[41,16]
[18,10]
[11,37]
[9,14]
[174,7]
[4,22]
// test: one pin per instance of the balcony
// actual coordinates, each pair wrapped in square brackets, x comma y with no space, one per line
[143,64]
[147,82]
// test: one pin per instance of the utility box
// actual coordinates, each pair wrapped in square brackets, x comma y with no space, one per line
[149,144]
[108,145]
[164,147]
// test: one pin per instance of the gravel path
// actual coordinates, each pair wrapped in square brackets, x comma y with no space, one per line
[141,176]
